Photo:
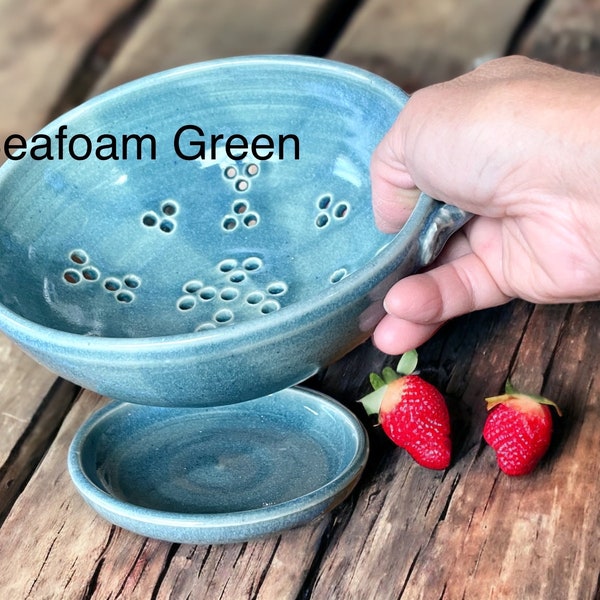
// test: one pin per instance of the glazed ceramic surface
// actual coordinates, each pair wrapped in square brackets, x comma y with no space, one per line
[167,278]
[220,474]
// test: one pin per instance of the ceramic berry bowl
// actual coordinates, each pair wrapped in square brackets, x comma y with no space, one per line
[193,245]
[204,236]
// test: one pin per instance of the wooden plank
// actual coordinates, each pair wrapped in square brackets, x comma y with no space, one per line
[179,32]
[24,449]
[415,43]
[41,45]
[22,386]
[567,34]
[488,535]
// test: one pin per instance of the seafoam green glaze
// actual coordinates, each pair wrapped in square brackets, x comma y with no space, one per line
[170,278]
[221,474]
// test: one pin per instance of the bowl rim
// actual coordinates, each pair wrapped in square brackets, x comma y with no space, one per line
[320,499]
[274,324]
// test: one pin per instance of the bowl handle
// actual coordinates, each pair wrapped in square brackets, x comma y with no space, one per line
[435,222]
[442,221]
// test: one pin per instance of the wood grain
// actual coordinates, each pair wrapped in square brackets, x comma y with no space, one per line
[179,32]
[415,43]
[41,45]
[567,34]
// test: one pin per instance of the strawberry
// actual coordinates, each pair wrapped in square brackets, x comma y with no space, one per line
[519,429]
[412,413]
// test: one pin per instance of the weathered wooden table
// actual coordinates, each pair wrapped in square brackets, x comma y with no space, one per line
[405,532]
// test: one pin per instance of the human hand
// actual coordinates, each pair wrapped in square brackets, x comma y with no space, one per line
[516,142]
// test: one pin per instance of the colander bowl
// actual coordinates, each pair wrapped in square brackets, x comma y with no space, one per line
[204,236]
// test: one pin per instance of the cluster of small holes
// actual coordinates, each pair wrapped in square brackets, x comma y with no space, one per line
[240,176]
[233,286]
[330,211]
[165,221]
[80,269]
[240,215]
[122,289]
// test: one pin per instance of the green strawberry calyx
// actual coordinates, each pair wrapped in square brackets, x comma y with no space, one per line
[511,394]
[406,365]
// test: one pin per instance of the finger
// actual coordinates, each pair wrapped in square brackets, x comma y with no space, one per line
[449,290]
[396,336]
[393,191]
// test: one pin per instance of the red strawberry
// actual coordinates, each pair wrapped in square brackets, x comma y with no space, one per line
[412,413]
[519,429]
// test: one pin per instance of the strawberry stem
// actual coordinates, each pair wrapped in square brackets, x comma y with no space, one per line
[376,381]
[514,395]
[389,375]
[407,363]
[372,401]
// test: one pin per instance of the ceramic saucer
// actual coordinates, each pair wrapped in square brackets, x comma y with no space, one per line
[222,474]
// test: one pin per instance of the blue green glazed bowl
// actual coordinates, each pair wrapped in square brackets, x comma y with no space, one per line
[220,474]
[204,236]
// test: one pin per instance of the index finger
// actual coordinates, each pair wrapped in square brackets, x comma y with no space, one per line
[394,193]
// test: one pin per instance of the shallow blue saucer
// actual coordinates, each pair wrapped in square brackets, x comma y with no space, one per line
[222,474]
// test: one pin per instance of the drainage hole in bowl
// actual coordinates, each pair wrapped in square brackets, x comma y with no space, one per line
[340,211]
[252,170]
[229,294]
[167,226]
[239,207]
[237,277]
[251,220]
[132,281]
[252,263]
[79,257]
[186,303]
[229,264]
[72,276]
[169,208]
[230,173]
[277,288]
[322,220]
[324,201]
[338,275]
[193,286]
[223,316]
[269,306]
[229,223]
[90,273]
[205,326]
[150,219]
[112,284]
[207,293]
[125,297]
[254,298]
[241,185]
